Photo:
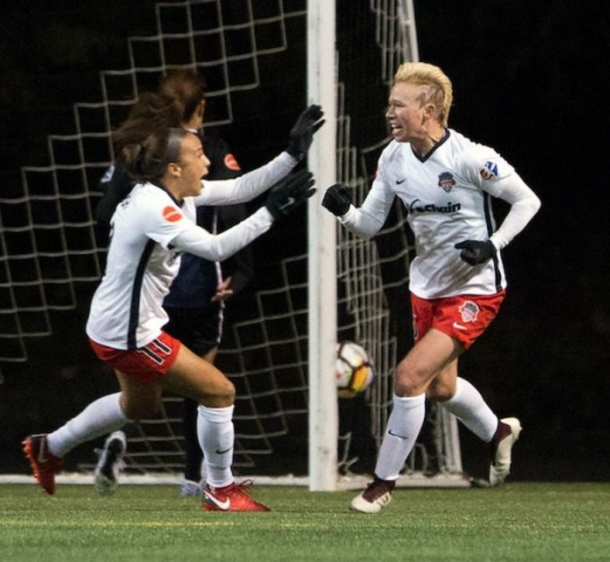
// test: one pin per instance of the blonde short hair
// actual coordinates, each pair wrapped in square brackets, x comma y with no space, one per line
[441,89]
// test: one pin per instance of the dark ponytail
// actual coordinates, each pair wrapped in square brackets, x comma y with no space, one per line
[147,161]
[140,143]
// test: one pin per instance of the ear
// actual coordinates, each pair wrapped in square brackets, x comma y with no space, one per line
[174,169]
[429,112]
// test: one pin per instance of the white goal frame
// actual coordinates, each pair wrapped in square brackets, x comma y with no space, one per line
[322,255]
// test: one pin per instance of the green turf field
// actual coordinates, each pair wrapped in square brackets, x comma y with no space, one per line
[525,521]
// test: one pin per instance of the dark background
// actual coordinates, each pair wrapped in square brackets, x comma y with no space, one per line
[531,79]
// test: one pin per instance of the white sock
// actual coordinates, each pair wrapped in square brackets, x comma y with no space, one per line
[216,437]
[101,417]
[403,427]
[471,409]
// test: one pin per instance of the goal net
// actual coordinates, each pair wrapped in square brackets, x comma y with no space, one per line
[253,55]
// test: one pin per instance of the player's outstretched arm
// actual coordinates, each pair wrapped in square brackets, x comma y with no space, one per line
[254,183]
[284,197]
[364,221]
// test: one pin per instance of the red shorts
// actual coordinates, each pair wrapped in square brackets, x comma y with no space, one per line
[463,317]
[146,364]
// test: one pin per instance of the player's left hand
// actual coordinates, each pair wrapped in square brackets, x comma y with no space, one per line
[290,192]
[223,291]
[475,252]
[301,135]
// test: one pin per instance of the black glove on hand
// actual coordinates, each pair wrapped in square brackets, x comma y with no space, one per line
[301,135]
[475,252]
[337,199]
[288,193]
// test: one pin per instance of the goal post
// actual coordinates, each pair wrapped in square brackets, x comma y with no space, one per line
[322,251]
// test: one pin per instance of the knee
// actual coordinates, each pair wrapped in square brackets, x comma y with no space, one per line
[440,392]
[220,395]
[408,381]
[226,391]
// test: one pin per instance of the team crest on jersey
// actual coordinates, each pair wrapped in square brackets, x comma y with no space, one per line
[489,170]
[446,181]
[171,214]
[469,311]
[231,163]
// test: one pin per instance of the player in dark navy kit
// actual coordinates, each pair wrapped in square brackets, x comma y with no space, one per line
[196,301]
[197,297]
[456,279]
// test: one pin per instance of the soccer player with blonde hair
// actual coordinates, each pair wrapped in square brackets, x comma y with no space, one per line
[457,279]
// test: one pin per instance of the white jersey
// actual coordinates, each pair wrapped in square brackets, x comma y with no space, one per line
[150,229]
[143,259]
[447,196]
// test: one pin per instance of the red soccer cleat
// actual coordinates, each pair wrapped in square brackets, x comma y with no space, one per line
[231,498]
[44,464]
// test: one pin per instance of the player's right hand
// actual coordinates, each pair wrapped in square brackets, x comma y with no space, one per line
[337,199]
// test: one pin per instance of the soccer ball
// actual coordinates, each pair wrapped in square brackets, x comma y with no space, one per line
[353,369]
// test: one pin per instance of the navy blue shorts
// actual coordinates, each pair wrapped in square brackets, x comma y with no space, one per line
[199,329]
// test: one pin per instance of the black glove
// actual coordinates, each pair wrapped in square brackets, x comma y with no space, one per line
[475,252]
[337,199]
[301,135]
[288,193]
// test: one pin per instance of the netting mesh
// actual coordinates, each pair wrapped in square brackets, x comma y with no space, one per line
[50,249]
